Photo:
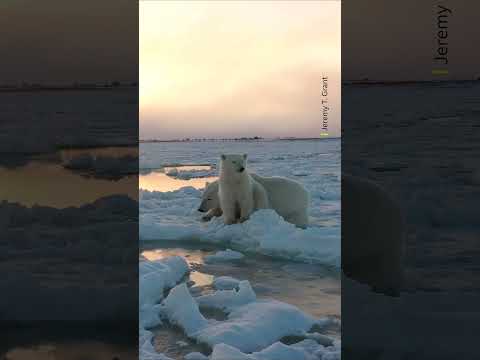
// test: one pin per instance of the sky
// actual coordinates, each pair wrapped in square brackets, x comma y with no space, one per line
[406,48]
[238,68]
[57,41]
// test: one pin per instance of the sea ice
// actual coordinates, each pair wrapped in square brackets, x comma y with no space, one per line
[252,329]
[195,356]
[226,255]
[227,300]
[225,283]
[173,215]
[155,278]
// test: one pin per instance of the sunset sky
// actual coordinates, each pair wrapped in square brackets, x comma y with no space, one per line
[238,68]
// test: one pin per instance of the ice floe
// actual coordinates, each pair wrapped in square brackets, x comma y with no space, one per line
[226,255]
[252,329]
[173,216]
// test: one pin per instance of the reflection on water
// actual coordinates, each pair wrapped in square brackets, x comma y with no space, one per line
[194,258]
[313,288]
[50,184]
[110,151]
[159,181]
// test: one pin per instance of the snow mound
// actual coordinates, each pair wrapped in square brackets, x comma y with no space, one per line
[173,216]
[195,356]
[226,255]
[256,325]
[182,310]
[225,283]
[249,327]
[227,300]
[155,278]
[304,350]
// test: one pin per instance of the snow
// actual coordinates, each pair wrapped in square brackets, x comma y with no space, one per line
[226,255]
[181,309]
[195,356]
[179,173]
[256,325]
[265,232]
[227,300]
[173,215]
[252,328]
[305,350]
[225,283]
[155,278]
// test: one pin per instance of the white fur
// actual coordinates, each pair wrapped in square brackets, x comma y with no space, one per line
[239,194]
[287,197]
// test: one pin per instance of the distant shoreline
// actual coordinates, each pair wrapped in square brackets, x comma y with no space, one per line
[79,87]
[150,141]
[408,82]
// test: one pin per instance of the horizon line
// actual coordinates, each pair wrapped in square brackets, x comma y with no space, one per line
[187,139]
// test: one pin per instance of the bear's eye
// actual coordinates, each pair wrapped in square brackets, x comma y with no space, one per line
[209,199]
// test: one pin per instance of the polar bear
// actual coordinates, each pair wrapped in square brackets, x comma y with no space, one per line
[239,194]
[372,235]
[287,197]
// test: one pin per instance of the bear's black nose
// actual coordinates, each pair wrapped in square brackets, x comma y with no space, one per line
[200,209]
[241,169]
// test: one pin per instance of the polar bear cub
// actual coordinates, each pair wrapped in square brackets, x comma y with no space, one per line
[239,194]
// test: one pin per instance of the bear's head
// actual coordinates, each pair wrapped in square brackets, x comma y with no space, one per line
[210,197]
[233,164]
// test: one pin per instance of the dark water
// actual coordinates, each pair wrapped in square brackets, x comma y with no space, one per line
[52,341]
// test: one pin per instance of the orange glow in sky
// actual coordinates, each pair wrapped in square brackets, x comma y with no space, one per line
[238,68]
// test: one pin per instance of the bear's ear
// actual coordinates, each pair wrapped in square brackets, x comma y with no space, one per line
[223,157]
[244,156]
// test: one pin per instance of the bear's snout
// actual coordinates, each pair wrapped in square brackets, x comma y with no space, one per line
[241,169]
[200,209]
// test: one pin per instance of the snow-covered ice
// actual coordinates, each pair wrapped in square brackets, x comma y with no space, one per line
[225,283]
[173,215]
[252,327]
[180,173]
[226,255]
[155,278]
[227,300]
[251,330]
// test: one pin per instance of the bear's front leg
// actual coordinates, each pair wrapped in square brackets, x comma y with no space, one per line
[246,208]
[229,214]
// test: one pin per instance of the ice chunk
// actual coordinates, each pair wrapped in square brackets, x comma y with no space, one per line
[227,300]
[225,283]
[182,310]
[155,278]
[173,216]
[195,356]
[276,351]
[159,275]
[254,326]
[226,255]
